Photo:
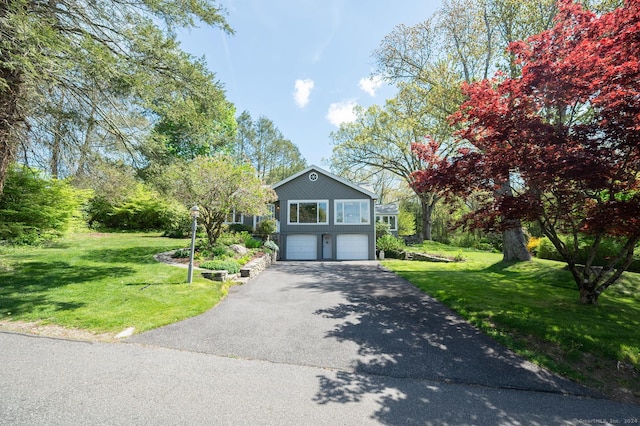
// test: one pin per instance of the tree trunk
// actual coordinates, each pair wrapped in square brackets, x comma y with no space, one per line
[10,117]
[427,223]
[83,161]
[514,242]
[54,163]
[588,294]
[427,203]
[514,245]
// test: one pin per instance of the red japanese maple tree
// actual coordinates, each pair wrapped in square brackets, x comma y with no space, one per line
[566,134]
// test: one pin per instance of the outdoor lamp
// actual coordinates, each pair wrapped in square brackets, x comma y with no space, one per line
[194,212]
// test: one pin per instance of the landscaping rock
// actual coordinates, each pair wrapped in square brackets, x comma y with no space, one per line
[425,257]
[241,250]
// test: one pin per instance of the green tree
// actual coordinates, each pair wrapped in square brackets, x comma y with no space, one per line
[74,47]
[193,115]
[381,139]
[406,223]
[465,41]
[219,186]
[261,143]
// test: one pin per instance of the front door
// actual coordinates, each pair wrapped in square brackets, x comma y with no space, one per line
[326,246]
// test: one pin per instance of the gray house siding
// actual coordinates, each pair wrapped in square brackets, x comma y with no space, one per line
[331,240]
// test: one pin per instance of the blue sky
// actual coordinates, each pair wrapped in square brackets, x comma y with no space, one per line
[303,63]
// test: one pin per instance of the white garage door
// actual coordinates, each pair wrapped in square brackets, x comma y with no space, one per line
[352,247]
[302,247]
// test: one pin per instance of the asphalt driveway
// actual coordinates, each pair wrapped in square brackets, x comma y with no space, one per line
[307,343]
[355,317]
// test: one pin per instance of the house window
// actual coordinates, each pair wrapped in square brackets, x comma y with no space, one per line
[308,212]
[234,217]
[390,219]
[352,212]
[271,215]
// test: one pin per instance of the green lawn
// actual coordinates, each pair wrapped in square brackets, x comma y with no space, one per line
[533,308]
[101,282]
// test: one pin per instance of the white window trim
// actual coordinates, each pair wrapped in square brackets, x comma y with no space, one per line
[233,215]
[359,200]
[382,216]
[271,215]
[289,202]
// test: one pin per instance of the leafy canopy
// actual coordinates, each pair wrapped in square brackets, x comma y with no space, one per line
[219,187]
[566,133]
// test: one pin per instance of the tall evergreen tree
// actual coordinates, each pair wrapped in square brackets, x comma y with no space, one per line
[105,47]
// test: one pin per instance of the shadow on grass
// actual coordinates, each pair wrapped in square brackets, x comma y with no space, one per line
[145,285]
[28,288]
[137,255]
[531,272]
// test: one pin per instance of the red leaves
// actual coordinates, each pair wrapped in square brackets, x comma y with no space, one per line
[567,131]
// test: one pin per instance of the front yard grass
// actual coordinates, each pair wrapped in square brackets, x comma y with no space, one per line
[101,282]
[533,308]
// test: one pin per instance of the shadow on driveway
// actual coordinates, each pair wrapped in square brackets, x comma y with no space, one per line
[377,334]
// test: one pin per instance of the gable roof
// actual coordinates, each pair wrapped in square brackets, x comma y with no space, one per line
[329,175]
[387,209]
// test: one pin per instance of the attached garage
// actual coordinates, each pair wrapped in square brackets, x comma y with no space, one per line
[352,247]
[302,247]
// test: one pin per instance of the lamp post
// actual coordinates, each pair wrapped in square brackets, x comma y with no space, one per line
[194,212]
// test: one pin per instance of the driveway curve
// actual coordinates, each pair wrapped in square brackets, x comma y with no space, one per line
[359,319]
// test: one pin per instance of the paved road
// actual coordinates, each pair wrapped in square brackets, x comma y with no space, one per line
[303,343]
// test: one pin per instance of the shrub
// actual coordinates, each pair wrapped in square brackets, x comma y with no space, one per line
[240,227]
[533,244]
[266,227]
[382,229]
[271,245]
[142,209]
[465,240]
[35,209]
[406,223]
[390,243]
[546,250]
[252,243]
[228,238]
[228,265]
[177,223]
[218,251]
[609,248]
[221,251]
[181,253]
[246,239]
[491,241]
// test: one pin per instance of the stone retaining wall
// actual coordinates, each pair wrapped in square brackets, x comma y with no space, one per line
[249,270]
[254,267]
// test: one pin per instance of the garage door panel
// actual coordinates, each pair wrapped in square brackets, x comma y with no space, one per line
[352,247]
[302,247]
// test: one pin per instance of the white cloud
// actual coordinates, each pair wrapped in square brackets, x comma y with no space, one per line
[370,84]
[341,112]
[303,91]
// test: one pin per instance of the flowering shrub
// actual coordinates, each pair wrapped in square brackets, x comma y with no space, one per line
[533,244]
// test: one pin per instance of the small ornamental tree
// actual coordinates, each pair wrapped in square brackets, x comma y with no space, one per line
[219,187]
[566,134]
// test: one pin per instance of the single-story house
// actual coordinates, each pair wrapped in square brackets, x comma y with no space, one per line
[321,216]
